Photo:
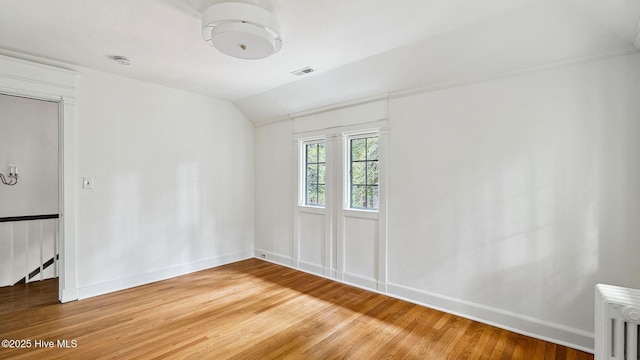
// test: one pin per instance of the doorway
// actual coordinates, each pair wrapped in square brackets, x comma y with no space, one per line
[29,79]
[29,189]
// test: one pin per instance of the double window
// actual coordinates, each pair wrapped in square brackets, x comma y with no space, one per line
[361,159]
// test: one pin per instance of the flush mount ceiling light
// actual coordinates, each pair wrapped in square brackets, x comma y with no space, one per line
[241,30]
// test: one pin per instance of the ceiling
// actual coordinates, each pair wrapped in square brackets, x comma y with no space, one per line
[360,48]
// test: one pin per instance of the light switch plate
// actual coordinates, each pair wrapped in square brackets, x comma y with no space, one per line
[87,182]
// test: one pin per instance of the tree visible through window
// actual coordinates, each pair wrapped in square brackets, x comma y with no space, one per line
[364,173]
[315,174]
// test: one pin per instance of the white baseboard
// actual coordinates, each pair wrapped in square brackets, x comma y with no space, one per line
[361,281]
[311,267]
[69,295]
[540,329]
[163,274]
[273,257]
[329,273]
[529,326]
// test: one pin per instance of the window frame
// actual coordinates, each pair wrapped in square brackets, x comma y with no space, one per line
[348,186]
[303,171]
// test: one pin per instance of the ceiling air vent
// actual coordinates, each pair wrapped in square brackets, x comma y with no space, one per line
[303,71]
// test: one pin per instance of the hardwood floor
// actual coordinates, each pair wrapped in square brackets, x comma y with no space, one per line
[251,310]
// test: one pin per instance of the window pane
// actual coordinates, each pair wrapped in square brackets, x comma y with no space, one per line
[372,197]
[358,173]
[321,156]
[372,172]
[358,149]
[364,176]
[312,194]
[321,172]
[312,174]
[312,153]
[358,196]
[372,148]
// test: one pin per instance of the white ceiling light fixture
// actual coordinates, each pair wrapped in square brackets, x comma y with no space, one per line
[241,30]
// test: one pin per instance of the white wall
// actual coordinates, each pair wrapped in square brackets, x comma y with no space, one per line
[275,190]
[508,199]
[173,183]
[29,139]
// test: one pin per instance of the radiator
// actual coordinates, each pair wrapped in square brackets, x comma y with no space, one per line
[617,323]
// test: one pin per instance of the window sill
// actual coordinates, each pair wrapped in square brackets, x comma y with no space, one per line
[311,209]
[361,214]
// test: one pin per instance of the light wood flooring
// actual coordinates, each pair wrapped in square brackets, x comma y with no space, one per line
[251,310]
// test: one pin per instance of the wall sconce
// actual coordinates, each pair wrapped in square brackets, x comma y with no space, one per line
[13,176]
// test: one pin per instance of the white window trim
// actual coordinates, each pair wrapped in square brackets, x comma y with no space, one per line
[335,213]
[347,137]
[302,166]
[361,214]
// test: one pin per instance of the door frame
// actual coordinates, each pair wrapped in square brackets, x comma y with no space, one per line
[37,81]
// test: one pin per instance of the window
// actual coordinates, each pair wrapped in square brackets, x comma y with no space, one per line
[314,182]
[363,170]
[357,171]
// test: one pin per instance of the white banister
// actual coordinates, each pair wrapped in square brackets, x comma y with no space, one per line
[28,248]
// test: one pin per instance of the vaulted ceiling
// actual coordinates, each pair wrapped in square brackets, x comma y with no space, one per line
[360,48]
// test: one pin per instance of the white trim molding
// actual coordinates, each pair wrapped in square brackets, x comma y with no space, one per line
[360,281]
[322,109]
[383,144]
[274,257]
[339,106]
[44,82]
[162,274]
[453,84]
[310,267]
[334,260]
[525,325]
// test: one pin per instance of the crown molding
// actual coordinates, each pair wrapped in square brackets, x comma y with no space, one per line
[340,105]
[323,109]
[523,71]
[272,121]
[453,84]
